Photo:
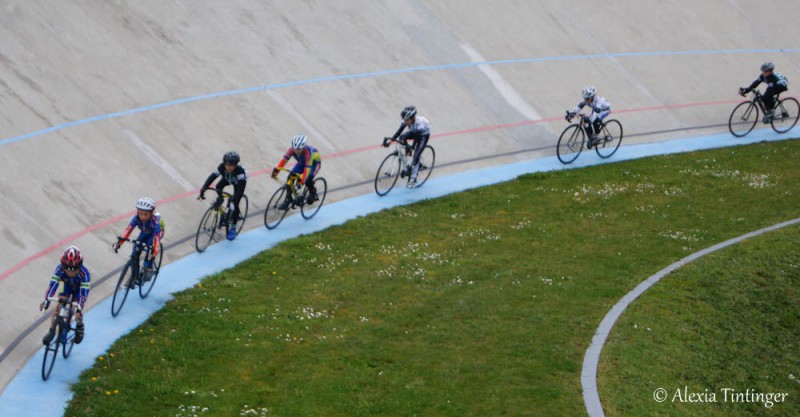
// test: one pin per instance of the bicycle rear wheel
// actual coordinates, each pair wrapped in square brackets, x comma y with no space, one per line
[121,290]
[387,174]
[743,119]
[426,161]
[51,353]
[310,210]
[610,139]
[207,229]
[787,111]
[68,340]
[147,286]
[273,215]
[570,144]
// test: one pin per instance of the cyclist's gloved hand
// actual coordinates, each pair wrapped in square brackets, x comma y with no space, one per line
[44,305]
[569,115]
[743,91]
[116,245]
[386,141]
[202,195]
[275,172]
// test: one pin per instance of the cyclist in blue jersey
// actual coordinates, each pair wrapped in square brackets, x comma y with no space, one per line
[309,162]
[600,109]
[234,174]
[776,84]
[76,279]
[419,130]
[150,224]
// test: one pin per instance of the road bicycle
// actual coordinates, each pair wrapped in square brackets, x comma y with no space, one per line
[216,221]
[133,274]
[398,165]
[570,143]
[745,115]
[292,189]
[64,335]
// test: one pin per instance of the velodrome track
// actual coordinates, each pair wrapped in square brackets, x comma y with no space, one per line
[28,395]
[250,74]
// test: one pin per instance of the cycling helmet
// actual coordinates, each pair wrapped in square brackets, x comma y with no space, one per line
[408,112]
[299,142]
[767,66]
[231,157]
[71,258]
[589,92]
[145,203]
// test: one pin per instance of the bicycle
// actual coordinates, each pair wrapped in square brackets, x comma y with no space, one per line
[745,115]
[274,214]
[398,165]
[217,220]
[135,266]
[570,143]
[64,335]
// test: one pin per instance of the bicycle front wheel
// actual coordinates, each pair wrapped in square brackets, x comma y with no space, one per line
[743,119]
[610,139]
[207,229]
[121,290]
[147,286]
[570,144]
[67,340]
[273,214]
[426,161]
[51,353]
[244,206]
[387,174]
[785,115]
[309,210]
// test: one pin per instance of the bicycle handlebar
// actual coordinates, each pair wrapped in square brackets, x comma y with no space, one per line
[140,243]
[59,300]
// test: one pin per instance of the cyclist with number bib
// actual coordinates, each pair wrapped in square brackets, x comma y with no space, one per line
[776,84]
[601,108]
[232,174]
[309,162]
[419,130]
[152,231]
[76,279]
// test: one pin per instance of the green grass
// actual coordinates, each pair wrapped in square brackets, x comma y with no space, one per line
[480,303]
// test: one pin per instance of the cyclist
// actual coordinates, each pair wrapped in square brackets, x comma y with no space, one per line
[232,174]
[600,109]
[776,84]
[419,130]
[151,226]
[76,279]
[309,162]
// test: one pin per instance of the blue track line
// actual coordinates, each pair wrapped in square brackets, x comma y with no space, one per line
[27,395]
[384,73]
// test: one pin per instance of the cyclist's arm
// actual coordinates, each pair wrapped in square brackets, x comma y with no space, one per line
[209,180]
[285,158]
[52,286]
[578,107]
[753,85]
[156,236]
[399,131]
[83,293]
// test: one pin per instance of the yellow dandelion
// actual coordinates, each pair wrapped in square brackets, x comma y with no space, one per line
[110,355]
[108,392]
[116,392]
[94,378]
[101,358]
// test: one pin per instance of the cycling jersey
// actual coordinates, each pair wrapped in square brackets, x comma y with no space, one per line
[772,80]
[151,231]
[77,287]
[309,162]
[420,128]
[599,105]
[239,174]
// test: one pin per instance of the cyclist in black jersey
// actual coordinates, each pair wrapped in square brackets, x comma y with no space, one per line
[232,174]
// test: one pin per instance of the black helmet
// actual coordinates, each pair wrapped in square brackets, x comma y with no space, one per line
[408,112]
[231,157]
[767,66]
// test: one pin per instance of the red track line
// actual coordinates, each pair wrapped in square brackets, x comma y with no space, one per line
[176,197]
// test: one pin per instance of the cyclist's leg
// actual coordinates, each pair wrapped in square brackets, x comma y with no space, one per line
[312,189]
[238,192]
[221,184]
[148,263]
[769,97]
[419,145]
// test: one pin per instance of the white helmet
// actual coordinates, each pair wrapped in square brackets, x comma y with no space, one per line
[145,203]
[299,142]
[589,92]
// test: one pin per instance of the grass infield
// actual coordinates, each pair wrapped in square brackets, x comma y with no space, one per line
[484,302]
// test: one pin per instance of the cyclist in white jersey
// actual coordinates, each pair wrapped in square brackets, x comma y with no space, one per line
[419,130]
[600,109]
